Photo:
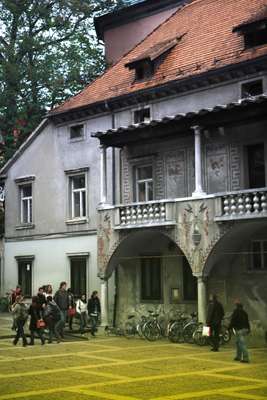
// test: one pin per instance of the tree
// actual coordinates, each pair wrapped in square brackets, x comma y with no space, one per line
[48,52]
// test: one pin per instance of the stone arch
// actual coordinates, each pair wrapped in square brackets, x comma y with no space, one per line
[124,237]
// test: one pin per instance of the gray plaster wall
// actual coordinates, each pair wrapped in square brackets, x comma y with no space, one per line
[50,155]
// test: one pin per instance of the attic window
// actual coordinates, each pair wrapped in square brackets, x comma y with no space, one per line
[144,70]
[142,115]
[255,33]
[252,88]
[256,38]
[146,63]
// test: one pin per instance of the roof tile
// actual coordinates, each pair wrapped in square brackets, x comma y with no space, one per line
[208,43]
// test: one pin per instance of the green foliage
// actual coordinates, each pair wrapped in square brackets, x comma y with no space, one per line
[3,304]
[48,52]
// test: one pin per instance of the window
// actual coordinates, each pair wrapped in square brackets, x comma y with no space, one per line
[142,115]
[26,204]
[76,131]
[151,280]
[259,255]
[78,275]
[78,196]
[143,70]
[144,183]
[25,276]
[256,37]
[189,282]
[256,166]
[253,88]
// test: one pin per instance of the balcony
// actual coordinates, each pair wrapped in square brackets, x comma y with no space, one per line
[149,214]
[245,204]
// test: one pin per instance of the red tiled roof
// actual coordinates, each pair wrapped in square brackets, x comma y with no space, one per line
[207,43]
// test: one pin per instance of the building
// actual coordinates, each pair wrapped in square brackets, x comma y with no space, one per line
[181,120]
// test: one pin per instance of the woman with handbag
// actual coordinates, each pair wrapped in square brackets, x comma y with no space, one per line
[81,309]
[36,322]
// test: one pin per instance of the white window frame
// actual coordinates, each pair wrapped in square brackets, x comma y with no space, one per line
[80,191]
[140,109]
[29,202]
[145,181]
[263,268]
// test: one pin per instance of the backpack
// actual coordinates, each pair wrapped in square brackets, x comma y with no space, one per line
[23,313]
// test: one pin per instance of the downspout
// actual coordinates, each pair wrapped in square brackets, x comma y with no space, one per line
[113,166]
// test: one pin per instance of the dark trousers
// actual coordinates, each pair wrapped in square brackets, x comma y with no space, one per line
[93,320]
[20,332]
[215,330]
[39,333]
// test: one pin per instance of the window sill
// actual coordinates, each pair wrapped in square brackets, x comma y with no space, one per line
[78,139]
[77,221]
[25,226]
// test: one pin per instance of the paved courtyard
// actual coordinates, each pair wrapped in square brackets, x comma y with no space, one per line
[127,369]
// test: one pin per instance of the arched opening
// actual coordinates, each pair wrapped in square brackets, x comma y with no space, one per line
[237,269]
[151,272]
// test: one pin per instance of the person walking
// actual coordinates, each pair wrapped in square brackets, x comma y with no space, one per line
[20,314]
[214,321]
[52,317]
[35,313]
[94,311]
[41,299]
[240,324]
[81,309]
[61,298]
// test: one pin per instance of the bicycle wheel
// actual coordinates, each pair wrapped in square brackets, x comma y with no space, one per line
[198,338]
[176,333]
[225,335]
[188,332]
[151,331]
[129,329]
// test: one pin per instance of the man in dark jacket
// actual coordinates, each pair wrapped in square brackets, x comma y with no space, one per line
[214,321]
[61,298]
[240,324]
[94,310]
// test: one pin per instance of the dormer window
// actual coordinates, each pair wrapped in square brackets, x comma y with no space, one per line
[251,88]
[146,64]
[255,33]
[142,115]
[143,70]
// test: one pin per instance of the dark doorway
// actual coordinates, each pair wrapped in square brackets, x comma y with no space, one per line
[25,277]
[78,275]
[256,166]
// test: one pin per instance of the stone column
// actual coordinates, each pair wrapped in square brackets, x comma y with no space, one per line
[202,299]
[104,301]
[103,175]
[198,163]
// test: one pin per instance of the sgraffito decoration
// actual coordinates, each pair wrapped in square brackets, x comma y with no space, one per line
[197,234]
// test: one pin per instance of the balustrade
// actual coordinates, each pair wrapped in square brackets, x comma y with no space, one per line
[244,204]
[143,214]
